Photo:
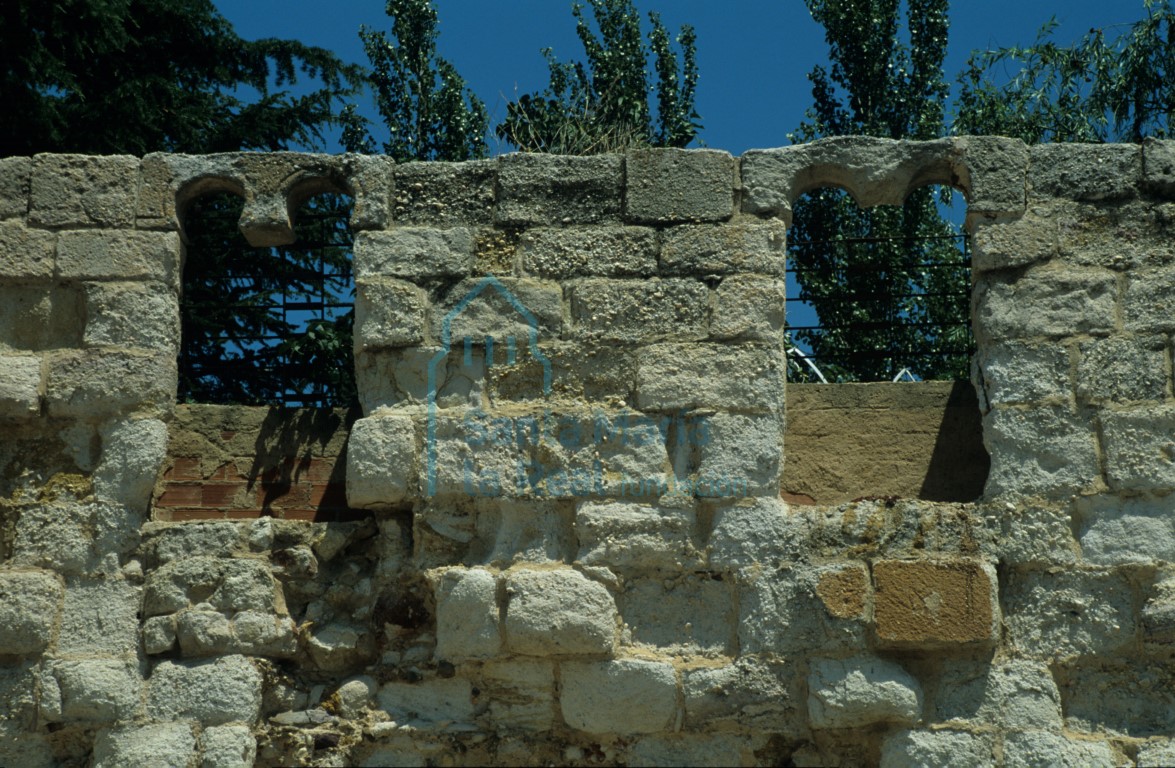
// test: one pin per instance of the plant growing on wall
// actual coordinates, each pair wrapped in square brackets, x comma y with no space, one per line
[603,104]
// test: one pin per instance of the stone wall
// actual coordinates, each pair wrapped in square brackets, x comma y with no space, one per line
[572,545]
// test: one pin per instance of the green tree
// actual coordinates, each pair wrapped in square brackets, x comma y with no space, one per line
[1102,88]
[422,99]
[889,284]
[603,105]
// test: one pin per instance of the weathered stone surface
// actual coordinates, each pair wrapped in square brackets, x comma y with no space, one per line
[159,634]
[29,606]
[467,614]
[1155,754]
[935,604]
[1046,302]
[1014,372]
[739,456]
[1122,370]
[755,531]
[414,253]
[381,461]
[20,386]
[1085,171]
[107,255]
[1034,749]
[464,456]
[340,645]
[1046,450]
[388,313]
[1158,167]
[678,185]
[133,452]
[211,633]
[14,186]
[521,693]
[88,384]
[213,692]
[22,748]
[535,188]
[477,308]
[748,307]
[142,315]
[58,536]
[1148,305]
[37,317]
[622,697]
[675,377]
[90,690]
[753,246]
[99,616]
[227,746]
[751,692]
[845,590]
[717,750]
[1115,531]
[561,253]
[996,171]
[926,749]
[167,745]
[636,537]
[164,542]
[1018,693]
[430,701]
[560,612]
[1065,614]
[860,691]
[356,695]
[438,193]
[25,253]
[224,584]
[781,613]
[690,615]
[632,311]
[1135,696]
[1139,454]
[1015,243]
[81,191]
[1158,615]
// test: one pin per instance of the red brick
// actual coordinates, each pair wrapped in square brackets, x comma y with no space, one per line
[223,495]
[227,472]
[183,468]
[183,515]
[332,495]
[245,514]
[180,495]
[320,470]
[273,495]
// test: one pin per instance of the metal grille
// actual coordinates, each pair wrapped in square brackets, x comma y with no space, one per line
[268,326]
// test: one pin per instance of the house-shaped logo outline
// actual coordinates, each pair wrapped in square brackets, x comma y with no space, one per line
[447,345]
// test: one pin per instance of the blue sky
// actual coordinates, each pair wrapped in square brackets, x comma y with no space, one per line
[753,55]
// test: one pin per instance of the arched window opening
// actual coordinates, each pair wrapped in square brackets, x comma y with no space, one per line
[879,294]
[268,326]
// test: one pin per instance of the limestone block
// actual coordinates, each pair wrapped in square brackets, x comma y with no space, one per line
[213,692]
[166,745]
[430,701]
[371,184]
[57,536]
[209,633]
[159,634]
[520,531]
[521,694]
[1033,749]
[381,461]
[1139,452]
[133,452]
[99,616]
[144,315]
[673,377]
[227,585]
[636,537]
[739,456]
[541,189]
[164,542]
[1016,243]
[1148,305]
[227,746]
[860,691]
[467,614]
[1046,450]
[760,530]
[1154,754]
[37,316]
[1122,370]
[556,613]
[747,307]
[1117,531]
[693,614]
[14,186]
[782,612]
[30,603]
[414,253]
[751,692]
[679,185]
[108,255]
[845,590]
[707,249]
[1046,302]
[639,311]
[710,750]
[935,603]
[927,749]
[996,171]
[83,191]
[1014,372]
[563,252]
[623,696]
[1158,615]
[477,308]
[340,645]
[388,313]
[1070,613]
[88,384]
[25,253]
[1017,693]
[462,459]
[1135,695]
[356,695]
[20,386]
[439,193]
[19,684]
[90,690]
[1085,171]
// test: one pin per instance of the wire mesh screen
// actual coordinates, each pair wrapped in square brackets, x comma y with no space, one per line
[878,294]
[268,326]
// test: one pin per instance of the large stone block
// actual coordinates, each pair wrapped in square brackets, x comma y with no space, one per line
[929,604]
[751,692]
[1121,370]
[522,531]
[565,252]
[166,745]
[144,315]
[756,531]
[1158,167]
[381,461]
[674,377]
[1017,693]
[213,692]
[1031,749]
[748,307]
[996,170]
[99,616]
[754,246]
[624,696]
[37,316]
[388,313]
[701,750]
[928,749]
[58,536]
[1052,303]
[83,191]
[414,253]
[541,189]
[1135,695]
[739,456]
[639,311]
[1014,372]
[861,691]
[1045,451]
[212,633]
[782,612]
[1139,455]
[679,185]
[227,746]
[1117,531]
[14,186]
[1148,305]
[228,585]
[133,452]
[1015,243]
[1070,613]
[557,613]
[449,194]
[30,603]
[693,614]
[1085,171]
[91,690]
[521,694]
[480,308]
[20,386]
[89,384]
[429,701]
[26,254]
[107,255]
[467,614]
[631,536]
